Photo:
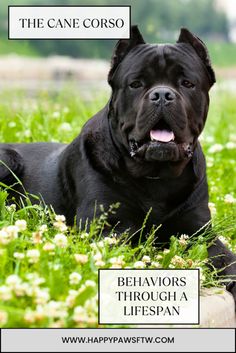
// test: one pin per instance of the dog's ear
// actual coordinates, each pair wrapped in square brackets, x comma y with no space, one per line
[187,37]
[122,48]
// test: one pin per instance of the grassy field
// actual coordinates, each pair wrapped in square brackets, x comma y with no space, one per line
[48,272]
[223,54]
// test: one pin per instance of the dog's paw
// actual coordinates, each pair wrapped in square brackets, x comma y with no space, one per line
[231,287]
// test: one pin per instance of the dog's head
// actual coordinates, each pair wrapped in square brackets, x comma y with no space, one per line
[160,99]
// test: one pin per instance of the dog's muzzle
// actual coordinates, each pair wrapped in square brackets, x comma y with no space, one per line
[160,151]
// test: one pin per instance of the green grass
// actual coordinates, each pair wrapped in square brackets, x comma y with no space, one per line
[55,285]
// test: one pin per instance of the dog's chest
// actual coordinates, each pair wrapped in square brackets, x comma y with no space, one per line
[162,197]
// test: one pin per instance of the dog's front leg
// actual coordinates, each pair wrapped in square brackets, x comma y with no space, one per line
[224,260]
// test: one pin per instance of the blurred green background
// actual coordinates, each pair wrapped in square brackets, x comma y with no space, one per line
[159,21]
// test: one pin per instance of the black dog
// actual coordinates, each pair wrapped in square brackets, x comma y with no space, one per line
[141,150]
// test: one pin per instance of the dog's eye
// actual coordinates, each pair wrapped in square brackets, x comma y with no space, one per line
[187,84]
[136,84]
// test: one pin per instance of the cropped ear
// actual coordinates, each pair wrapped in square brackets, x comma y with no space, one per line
[122,48]
[187,37]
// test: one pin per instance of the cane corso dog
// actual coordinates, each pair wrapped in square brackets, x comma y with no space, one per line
[140,150]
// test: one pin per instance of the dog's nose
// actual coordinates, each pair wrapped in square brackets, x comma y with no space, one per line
[162,95]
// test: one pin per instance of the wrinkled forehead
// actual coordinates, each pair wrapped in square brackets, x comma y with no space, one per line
[159,58]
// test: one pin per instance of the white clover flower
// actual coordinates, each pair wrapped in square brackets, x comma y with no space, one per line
[19,255]
[100,263]
[55,309]
[97,256]
[210,161]
[146,259]
[117,262]
[13,280]
[183,240]
[60,223]
[155,264]
[215,148]
[177,261]
[3,318]
[27,133]
[100,244]
[61,226]
[41,296]
[49,247]
[114,235]
[116,259]
[90,283]
[230,145]
[80,314]
[65,127]
[73,292]
[24,289]
[12,232]
[31,276]
[110,241]
[34,279]
[166,251]
[5,293]
[35,316]
[75,278]
[229,199]
[84,235]
[30,316]
[212,208]
[158,257]
[91,305]
[60,240]
[43,228]
[21,289]
[33,255]
[116,265]
[21,224]
[11,208]
[37,281]
[55,115]
[139,264]
[232,137]
[93,246]
[57,267]
[11,124]
[4,237]
[40,313]
[81,289]
[81,258]
[208,138]
[57,324]
[60,218]
[71,298]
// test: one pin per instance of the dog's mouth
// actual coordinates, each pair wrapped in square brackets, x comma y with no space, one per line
[160,144]
[162,132]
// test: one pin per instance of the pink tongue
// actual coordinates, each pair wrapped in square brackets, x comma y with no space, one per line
[162,135]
